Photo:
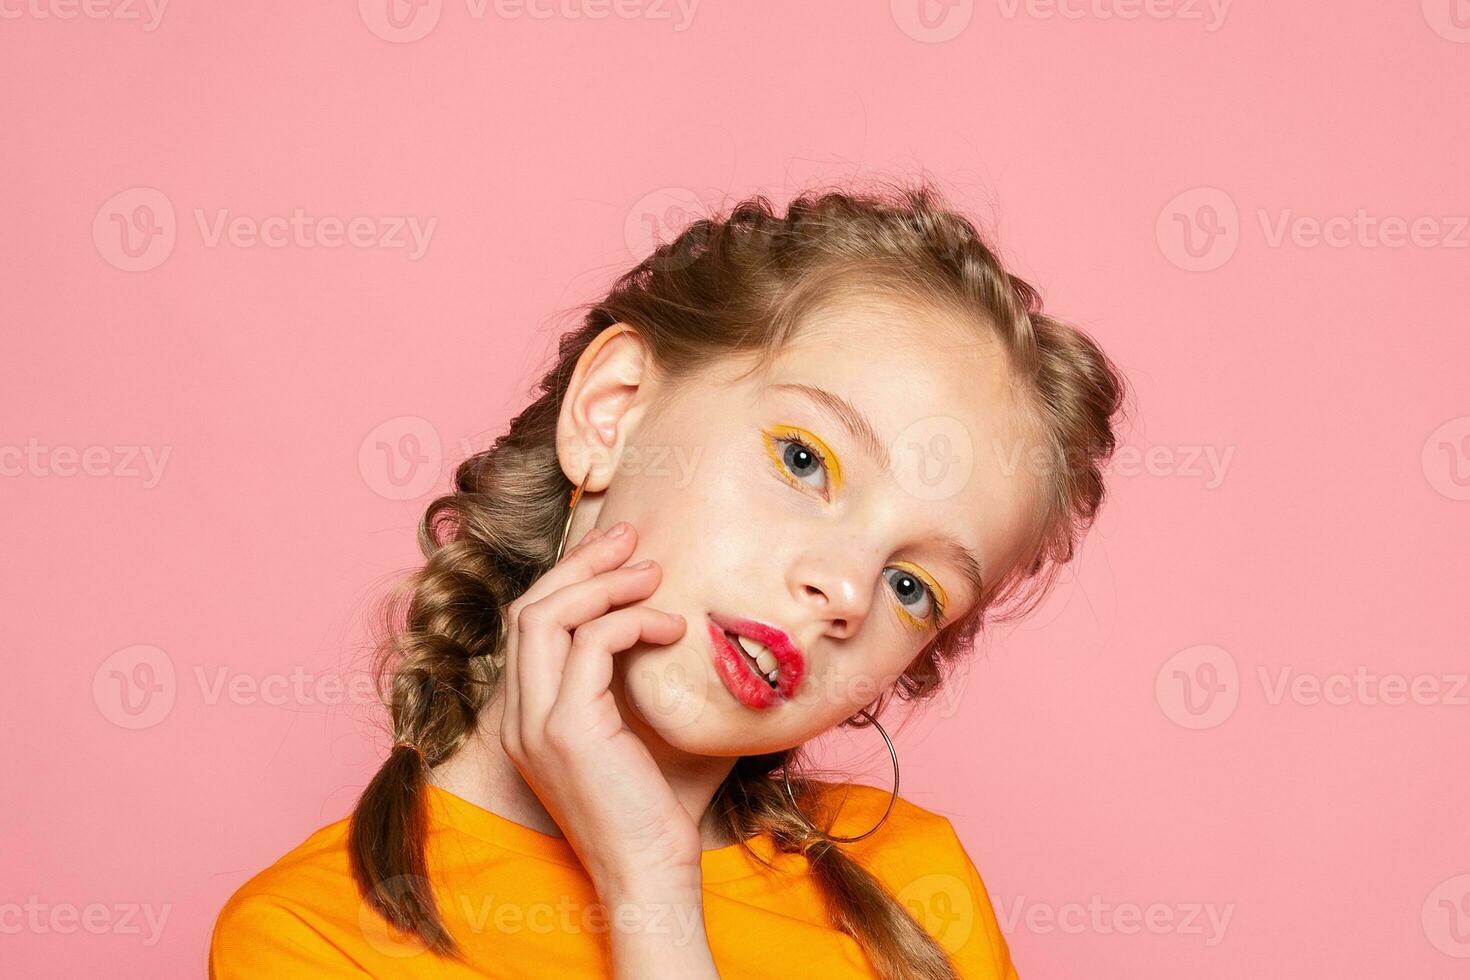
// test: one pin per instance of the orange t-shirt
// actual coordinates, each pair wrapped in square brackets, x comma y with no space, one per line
[520,904]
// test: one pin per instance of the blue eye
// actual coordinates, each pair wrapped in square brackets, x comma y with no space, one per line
[801,459]
[906,585]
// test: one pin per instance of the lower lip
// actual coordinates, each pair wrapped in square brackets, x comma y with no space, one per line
[737,675]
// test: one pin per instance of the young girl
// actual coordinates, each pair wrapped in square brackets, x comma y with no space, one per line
[781,476]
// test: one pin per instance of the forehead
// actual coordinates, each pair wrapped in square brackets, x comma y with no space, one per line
[925,352]
[942,401]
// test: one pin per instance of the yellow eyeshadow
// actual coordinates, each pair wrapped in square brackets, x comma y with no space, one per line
[779,432]
[939,594]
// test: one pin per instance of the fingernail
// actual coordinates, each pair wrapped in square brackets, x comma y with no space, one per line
[645,563]
[618,529]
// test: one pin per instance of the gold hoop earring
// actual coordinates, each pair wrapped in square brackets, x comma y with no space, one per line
[891,800]
[567,527]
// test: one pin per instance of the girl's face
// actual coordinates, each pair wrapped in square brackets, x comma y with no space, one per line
[769,500]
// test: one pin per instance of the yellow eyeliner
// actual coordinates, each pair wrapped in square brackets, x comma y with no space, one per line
[778,432]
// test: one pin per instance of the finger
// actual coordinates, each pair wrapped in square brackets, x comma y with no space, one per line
[589,666]
[510,670]
[584,561]
[511,686]
[547,630]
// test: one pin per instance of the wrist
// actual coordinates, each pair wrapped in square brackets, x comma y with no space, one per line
[647,881]
[656,930]
[666,886]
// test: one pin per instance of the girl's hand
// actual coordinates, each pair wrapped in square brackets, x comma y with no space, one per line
[562,728]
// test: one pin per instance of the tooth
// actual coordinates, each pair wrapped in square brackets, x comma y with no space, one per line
[763,657]
[766,661]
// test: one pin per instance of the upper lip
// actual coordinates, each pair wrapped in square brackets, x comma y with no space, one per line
[791,662]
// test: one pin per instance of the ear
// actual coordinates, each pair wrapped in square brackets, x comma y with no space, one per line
[608,393]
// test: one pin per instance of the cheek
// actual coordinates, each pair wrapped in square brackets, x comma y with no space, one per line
[845,685]
[708,495]
[729,533]
[669,686]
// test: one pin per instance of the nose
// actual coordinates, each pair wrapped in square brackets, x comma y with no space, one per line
[835,588]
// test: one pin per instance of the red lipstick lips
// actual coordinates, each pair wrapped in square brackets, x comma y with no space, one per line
[740,676]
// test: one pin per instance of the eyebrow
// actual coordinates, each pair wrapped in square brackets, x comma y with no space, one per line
[853,420]
[865,435]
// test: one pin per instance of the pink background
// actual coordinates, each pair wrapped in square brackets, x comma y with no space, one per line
[1129,744]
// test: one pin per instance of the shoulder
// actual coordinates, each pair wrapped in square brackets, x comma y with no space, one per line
[903,827]
[316,868]
[920,859]
[857,802]
[286,916]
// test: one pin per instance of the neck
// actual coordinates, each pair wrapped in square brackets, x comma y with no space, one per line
[482,773]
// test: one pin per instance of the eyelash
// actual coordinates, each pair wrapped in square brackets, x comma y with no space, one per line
[937,616]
